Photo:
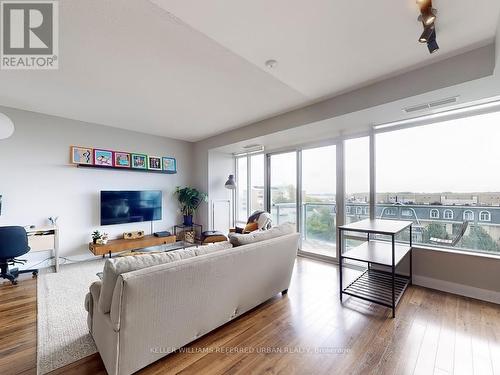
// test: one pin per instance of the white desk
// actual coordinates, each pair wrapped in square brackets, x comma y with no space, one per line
[44,239]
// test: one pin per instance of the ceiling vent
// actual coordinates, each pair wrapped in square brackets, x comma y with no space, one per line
[431,105]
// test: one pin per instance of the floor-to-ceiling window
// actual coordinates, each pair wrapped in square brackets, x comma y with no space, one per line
[283,187]
[443,177]
[250,192]
[257,192]
[357,179]
[318,203]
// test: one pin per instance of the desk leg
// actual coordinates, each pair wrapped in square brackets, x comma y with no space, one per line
[56,249]
[110,255]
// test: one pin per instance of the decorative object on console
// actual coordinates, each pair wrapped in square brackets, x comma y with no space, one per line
[96,235]
[103,240]
[154,163]
[122,159]
[189,199]
[133,235]
[103,158]
[169,164]
[82,155]
[139,161]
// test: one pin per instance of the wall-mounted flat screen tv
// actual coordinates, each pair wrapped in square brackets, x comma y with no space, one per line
[120,207]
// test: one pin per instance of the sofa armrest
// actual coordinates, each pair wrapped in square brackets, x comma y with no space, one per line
[95,290]
[91,300]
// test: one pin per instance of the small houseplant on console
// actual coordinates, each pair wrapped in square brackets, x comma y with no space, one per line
[189,200]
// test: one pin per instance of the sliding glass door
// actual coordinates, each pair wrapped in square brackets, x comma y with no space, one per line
[283,187]
[318,200]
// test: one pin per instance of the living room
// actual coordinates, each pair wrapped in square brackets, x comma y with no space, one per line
[227,187]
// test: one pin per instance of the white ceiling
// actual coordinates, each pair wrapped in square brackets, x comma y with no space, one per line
[190,69]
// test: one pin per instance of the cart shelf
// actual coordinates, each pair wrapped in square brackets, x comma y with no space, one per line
[377,252]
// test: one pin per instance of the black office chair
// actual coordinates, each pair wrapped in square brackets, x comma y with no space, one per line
[13,243]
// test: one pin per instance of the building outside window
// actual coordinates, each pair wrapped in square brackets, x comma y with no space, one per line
[408,176]
[484,216]
[448,214]
[406,212]
[468,215]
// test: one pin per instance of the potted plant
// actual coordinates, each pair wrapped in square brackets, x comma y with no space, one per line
[96,235]
[189,200]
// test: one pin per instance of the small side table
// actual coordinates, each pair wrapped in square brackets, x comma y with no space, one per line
[197,228]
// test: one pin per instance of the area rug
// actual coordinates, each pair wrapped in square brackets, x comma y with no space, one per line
[63,335]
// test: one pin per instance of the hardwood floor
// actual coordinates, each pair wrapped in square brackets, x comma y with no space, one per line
[306,332]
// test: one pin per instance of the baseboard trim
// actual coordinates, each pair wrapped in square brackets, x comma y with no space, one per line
[460,289]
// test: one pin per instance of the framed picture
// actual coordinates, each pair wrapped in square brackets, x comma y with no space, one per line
[82,155]
[103,158]
[169,164]
[139,161]
[122,159]
[154,163]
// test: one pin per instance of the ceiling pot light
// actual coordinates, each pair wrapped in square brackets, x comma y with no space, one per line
[271,63]
[6,126]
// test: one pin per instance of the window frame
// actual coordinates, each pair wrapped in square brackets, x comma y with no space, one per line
[434,210]
[466,213]
[445,216]
[481,213]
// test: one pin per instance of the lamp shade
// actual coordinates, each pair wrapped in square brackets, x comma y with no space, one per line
[230,183]
[6,126]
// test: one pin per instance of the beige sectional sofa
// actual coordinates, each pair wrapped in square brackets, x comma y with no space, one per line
[151,305]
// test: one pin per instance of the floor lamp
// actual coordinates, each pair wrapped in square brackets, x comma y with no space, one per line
[231,185]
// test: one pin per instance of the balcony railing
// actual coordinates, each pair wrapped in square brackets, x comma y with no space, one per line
[434,225]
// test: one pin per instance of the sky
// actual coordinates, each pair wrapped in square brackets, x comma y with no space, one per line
[453,156]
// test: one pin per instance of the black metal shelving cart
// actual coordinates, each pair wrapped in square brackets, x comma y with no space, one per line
[376,284]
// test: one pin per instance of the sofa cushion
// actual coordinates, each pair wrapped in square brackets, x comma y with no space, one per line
[238,239]
[212,248]
[116,266]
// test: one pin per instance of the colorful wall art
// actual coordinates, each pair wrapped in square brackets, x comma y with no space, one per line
[169,165]
[104,158]
[99,158]
[82,155]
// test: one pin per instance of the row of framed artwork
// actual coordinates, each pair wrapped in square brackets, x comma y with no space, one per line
[95,157]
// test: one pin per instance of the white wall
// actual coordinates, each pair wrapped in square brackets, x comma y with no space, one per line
[220,166]
[37,181]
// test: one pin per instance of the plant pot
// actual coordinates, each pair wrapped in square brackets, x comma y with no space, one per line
[188,220]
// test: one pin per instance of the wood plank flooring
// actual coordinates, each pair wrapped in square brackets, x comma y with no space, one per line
[306,332]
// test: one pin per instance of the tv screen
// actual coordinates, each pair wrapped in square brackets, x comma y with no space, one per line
[119,207]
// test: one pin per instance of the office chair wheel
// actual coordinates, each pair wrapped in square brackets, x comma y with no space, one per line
[35,273]
[14,282]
